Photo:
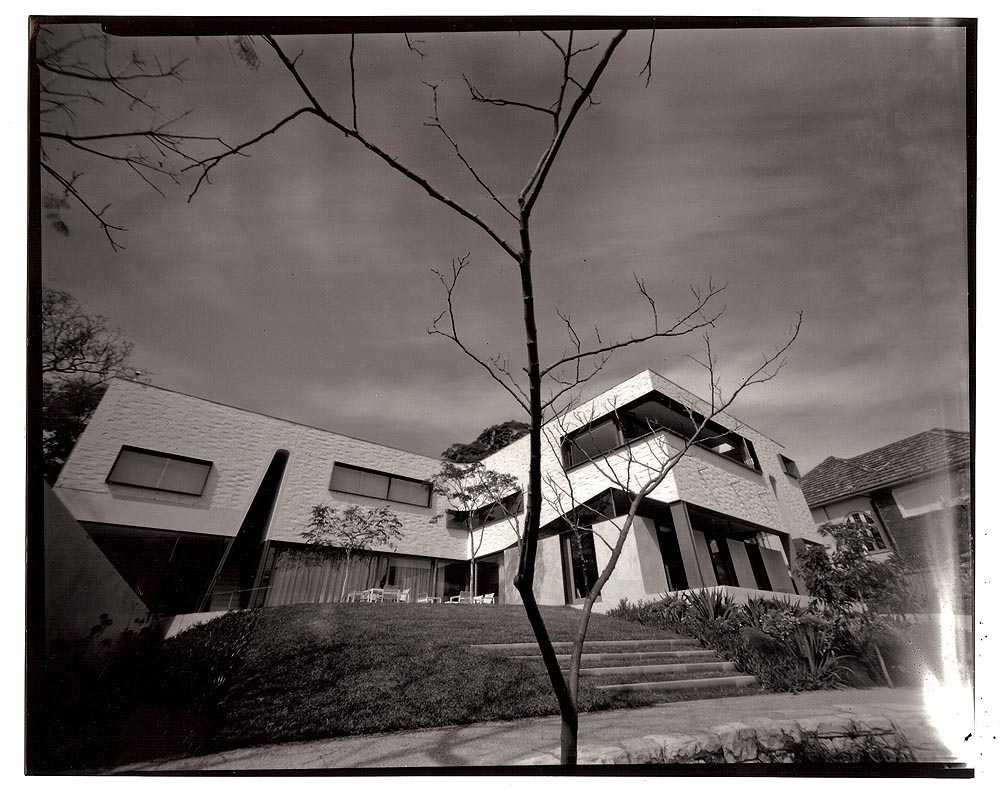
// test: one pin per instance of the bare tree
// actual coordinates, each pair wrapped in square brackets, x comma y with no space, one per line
[479,496]
[350,533]
[80,71]
[636,470]
[546,389]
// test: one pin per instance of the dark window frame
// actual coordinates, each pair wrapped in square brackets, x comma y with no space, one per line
[582,567]
[874,539]
[507,507]
[427,484]
[789,467]
[175,457]
[630,431]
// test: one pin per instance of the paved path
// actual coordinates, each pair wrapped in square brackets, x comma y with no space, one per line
[506,743]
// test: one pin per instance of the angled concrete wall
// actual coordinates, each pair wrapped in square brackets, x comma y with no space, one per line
[81,585]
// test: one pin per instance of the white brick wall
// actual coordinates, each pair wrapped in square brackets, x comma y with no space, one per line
[241,445]
[702,477]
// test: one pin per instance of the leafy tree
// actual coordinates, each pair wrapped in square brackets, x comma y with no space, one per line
[351,533]
[479,496]
[847,579]
[487,443]
[857,591]
[80,353]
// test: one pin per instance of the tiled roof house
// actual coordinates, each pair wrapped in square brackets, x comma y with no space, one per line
[913,496]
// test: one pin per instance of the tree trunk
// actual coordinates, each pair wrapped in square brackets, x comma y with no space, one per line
[524,581]
[568,739]
[347,572]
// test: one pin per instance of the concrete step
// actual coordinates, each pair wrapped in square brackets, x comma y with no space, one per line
[683,667]
[739,680]
[614,656]
[635,645]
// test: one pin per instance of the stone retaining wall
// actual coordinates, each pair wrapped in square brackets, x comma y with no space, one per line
[758,740]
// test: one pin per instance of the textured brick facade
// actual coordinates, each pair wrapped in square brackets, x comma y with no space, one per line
[241,445]
[771,499]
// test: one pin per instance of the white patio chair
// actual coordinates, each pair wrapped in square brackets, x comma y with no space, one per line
[404,596]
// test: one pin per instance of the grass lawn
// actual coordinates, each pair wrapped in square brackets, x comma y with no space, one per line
[326,670]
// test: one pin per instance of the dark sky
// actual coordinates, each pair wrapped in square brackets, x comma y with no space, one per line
[813,169]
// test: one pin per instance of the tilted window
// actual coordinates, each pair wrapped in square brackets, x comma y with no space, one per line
[790,468]
[139,467]
[592,441]
[375,484]
[649,415]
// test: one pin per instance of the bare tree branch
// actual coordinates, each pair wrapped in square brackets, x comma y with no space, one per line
[87,72]
[694,320]
[529,195]
[648,66]
[68,184]
[436,123]
[479,97]
[449,283]
[354,96]
[316,108]
[412,45]
[208,164]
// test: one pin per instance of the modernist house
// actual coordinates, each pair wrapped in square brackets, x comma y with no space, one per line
[201,506]
[912,497]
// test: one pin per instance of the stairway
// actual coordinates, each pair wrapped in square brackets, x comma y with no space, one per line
[663,665]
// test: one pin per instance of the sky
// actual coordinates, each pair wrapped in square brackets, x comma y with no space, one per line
[821,170]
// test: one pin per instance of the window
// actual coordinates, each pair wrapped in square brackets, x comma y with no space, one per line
[579,564]
[869,530]
[933,494]
[490,513]
[670,551]
[405,490]
[138,467]
[790,468]
[592,441]
[653,415]
[374,484]
[655,412]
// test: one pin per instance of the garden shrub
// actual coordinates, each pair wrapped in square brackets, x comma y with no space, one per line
[788,647]
[198,667]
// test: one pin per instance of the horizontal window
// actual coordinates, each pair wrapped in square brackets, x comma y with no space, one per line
[375,484]
[593,441]
[490,513]
[648,415]
[138,467]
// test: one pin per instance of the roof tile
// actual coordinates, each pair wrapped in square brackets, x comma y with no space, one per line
[907,458]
